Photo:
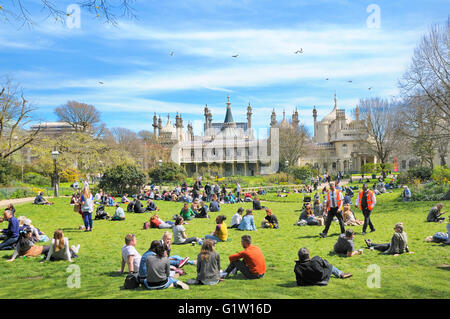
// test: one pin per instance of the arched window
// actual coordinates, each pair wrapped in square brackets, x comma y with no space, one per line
[344,148]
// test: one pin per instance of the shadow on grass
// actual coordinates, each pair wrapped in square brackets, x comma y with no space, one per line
[71,230]
[444,267]
[290,284]
[114,274]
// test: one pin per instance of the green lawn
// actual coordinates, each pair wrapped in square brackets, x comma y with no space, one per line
[407,276]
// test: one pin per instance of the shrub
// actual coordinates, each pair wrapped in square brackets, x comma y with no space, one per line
[441,174]
[168,172]
[6,172]
[422,173]
[430,192]
[69,175]
[36,179]
[303,173]
[122,179]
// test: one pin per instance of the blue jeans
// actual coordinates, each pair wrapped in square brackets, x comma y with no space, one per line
[8,243]
[175,260]
[87,218]
[336,272]
[170,281]
[214,238]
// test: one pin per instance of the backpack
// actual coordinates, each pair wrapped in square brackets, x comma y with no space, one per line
[146,225]
[131,281]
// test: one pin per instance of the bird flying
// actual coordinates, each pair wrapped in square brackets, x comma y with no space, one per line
[235,56]
[100,82]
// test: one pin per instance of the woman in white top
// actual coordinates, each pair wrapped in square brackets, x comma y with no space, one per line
[59,248]
[87,208]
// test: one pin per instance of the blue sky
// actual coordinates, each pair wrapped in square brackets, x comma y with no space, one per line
[55,63]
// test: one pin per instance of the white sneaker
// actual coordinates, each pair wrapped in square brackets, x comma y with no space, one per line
[76,248]
[183,285]
[223,274]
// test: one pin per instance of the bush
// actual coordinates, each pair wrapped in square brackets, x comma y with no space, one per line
[430,192]
[441,174]
[167,173]
[276,178]
[69,175]
[36,179]
[303,173]
[122,179]
[422,173]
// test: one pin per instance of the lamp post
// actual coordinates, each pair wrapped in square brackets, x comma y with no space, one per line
[55,155]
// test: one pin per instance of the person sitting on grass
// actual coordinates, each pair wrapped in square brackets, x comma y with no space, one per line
[398,244]
[315,271]
[158,271]
[307,217]
[203,211]
[257,204]
[25,246]
[142,273]
[40,200]
[130,255]
[214,206]
[9,235]
[37,235]
[237,218]
[130,206]
[59,248]
[138,209]
[124,199]
[253,265]
[119,214]
[221,231]
[248,221]
[151,206]
[349,217]
[176,262]
[435,214]
[345,245]
[186,212]
[156,222]
[179,233]
[208,265]
[195,206]
[270,221]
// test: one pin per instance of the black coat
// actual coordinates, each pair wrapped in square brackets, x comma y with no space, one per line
[138,207]
[316,271]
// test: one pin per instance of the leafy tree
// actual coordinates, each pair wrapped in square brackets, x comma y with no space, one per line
[303,173]
[122,179]
[168,172]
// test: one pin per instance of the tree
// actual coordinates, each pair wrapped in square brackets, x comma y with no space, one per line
[19,10]
[428,75]
[378,127]
[293,143]
[15,113]
[82,117]
[167,172]
[122,179]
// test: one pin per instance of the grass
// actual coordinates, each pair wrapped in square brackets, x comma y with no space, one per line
[419,275]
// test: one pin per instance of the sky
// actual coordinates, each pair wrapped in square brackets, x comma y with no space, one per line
[369,43]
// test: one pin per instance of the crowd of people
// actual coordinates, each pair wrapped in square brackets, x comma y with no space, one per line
[158,268]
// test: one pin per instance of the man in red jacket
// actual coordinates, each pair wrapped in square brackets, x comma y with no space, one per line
[253,265]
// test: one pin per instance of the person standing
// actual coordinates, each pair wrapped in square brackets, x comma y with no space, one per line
[334,199]
[366,201]
[253,265]
[87,208]
[238,191]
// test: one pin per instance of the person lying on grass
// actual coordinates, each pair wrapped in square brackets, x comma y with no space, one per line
[157,222]
[315,271]
[25,246]
[345,245]
[176,261]
[398,244]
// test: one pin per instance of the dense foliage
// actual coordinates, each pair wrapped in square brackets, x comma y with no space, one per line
[122,179]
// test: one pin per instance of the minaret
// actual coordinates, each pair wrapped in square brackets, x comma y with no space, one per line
[315,123]
[335,100]
[229,122]
[249,118]
[206,113]
[190,131]
[155,125]
[357,113]
[179,126]
[273,119]
[295,120]
[159,124]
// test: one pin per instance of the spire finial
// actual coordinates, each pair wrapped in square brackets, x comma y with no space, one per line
[335,99]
